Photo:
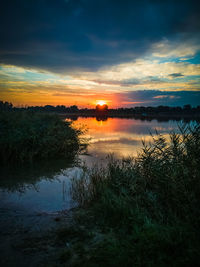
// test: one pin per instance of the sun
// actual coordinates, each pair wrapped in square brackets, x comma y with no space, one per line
[101,102]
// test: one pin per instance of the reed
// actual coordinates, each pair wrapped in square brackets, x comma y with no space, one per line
[28,136]
[147,208]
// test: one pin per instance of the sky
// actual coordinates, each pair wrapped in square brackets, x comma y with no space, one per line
[76,52]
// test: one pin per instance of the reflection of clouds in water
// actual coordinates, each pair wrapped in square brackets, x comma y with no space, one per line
[65,178]
[123,137]
[124,148]
[146,128]
[53,179]
[28,176]
[51,195]
[116,140]
[128,139]
[164,129]
[117,125]
[108,139]
[70,173]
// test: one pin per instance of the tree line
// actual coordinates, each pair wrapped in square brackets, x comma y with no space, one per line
[186,109]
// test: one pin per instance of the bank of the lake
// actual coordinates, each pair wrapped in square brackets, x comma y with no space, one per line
[34,149]
[161,116]
[127,210]
[142,211]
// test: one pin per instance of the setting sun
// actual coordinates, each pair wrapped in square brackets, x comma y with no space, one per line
[101,102]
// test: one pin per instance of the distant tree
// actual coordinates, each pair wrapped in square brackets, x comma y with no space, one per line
[60,108]
[5,106]
[101,108]
[177,109]
[74,109]
[49,108]
[187,107]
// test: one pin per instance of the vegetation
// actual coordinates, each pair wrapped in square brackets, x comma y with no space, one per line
[140,212]
[186,110]
[101,108]
[5,106]
[27,136]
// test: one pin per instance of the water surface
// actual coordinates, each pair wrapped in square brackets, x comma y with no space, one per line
[119,136]
[45,186]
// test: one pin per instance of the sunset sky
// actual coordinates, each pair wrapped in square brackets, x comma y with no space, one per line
[77,52]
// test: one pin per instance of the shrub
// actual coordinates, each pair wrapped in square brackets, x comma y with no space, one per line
[147,207]
[27,136]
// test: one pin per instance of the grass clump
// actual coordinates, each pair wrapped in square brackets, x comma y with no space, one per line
[27,136]
[147,208]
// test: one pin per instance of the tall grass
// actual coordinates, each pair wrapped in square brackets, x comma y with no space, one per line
[147,207]
[27,136]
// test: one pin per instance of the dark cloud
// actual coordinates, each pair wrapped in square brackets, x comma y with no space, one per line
[156,98]
[176,75]
[74,34]
[148,80]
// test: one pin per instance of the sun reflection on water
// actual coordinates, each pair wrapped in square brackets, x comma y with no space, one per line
[123,137]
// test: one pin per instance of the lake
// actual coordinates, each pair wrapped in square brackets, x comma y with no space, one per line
[45,186]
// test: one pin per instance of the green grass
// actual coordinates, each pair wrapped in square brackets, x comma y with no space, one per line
[146,209]
[29,136]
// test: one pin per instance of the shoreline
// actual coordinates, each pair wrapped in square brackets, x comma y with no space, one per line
[161,116]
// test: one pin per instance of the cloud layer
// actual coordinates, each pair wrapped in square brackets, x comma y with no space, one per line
[85,34]
[52,51]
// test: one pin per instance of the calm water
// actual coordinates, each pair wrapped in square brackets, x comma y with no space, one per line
[120,136]
[44,187]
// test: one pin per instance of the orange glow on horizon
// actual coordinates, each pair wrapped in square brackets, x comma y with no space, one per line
[42,98]
[101,102]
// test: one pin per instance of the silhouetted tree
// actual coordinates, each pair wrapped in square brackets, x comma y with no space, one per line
[74,109]
[101,108]
[5,106]
[187,107]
